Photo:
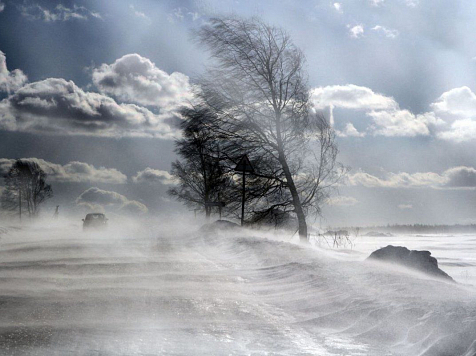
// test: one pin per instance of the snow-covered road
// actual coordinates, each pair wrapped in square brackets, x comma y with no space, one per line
[131,292]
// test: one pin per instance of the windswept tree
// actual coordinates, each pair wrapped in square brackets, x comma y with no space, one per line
[200,175]
[25,188]
[257,89]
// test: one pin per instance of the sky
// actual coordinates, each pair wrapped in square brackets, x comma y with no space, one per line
[88,89]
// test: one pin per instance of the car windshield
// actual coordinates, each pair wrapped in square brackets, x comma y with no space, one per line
[94,216]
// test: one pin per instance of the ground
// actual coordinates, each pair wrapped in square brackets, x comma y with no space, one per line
[148,291]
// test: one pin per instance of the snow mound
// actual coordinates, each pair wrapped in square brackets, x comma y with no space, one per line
[419,260]
[378,234]
[219,225]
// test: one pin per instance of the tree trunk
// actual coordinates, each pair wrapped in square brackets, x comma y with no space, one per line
[302,225]
[296,201]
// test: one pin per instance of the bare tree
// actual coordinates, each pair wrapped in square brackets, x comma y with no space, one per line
[201,178]
[25,188]
[258,89]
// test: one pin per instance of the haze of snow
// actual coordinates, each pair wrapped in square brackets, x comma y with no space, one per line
[155,287]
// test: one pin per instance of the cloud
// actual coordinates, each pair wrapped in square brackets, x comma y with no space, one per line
[59,13]
[72,172]
[338,7]
[138,13]
[2,6]
[134,207]
[10,81]
[57,106]
[387,117]
[460,131]
[412,3]
[458,102]
[405,206]
[351,96]
[350,131]
[95,198]
[341,201]
[179,14]
[461,177]
[136,79]
[356,31]
[402,123]
[389,33]
[457,107]
[150,175]
[376,2]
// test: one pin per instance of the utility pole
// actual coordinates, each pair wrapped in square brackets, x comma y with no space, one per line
[243,192]
[19,201]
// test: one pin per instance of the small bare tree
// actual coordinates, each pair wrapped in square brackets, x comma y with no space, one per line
[258,91]
[25,188]
[201,178]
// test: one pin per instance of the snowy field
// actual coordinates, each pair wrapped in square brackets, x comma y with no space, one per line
[151,290]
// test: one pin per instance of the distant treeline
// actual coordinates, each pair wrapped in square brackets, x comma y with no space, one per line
[418,228]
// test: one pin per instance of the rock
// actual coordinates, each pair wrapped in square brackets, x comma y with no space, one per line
[418,260]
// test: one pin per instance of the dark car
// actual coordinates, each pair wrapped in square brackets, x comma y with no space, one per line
[94,221]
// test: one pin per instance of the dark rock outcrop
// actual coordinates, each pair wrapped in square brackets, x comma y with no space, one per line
[418,260]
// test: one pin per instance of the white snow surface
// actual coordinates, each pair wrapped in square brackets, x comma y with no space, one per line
[155,290]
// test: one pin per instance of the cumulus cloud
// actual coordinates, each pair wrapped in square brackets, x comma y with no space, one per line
[59,13]
[376,2]
[150,175]
[341,201]
[389,33]
[457,107]
[350,131]
[405,206]
[461,177]
[57,106]
[136,79]
[72,172]
[387,117]
[2,6]
[338,7]
[460,131]
[402,123]
[96,199]
[458,102]
[10,81]
[351,96]
[356,31]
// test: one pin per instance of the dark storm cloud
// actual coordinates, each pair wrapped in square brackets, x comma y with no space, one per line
[10,81]
[57,106]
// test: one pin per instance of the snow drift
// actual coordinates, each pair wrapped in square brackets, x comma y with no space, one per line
[155,290]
